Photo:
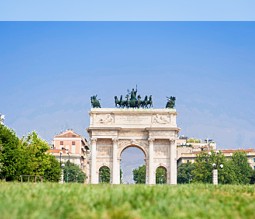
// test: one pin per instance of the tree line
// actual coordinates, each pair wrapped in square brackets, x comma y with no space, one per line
[233,170]
[27,156]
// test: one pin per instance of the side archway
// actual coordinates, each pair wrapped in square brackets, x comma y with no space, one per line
[104,174]
[161,175]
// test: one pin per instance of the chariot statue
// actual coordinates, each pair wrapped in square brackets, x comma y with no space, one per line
[132,100]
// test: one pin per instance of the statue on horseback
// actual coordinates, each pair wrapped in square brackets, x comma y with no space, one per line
[95,102]
[170,102]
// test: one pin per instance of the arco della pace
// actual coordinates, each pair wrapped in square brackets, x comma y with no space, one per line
[133,124]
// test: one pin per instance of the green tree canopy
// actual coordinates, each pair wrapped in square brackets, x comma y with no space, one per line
[104,174]
[242,169]
[38,162]
[184,173]
[236,170]
[161,175]
[26,157]
[203,167]
[10,154]
[139,175]
[73,173]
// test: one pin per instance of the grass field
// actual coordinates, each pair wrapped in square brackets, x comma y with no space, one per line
[45,200]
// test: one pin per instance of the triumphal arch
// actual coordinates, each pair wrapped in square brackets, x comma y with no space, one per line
[154,131]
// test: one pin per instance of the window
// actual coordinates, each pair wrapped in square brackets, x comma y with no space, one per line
[253,159]
[61,143]
[73,142]
[187,161]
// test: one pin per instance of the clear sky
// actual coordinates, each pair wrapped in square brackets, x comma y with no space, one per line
[49,70]
[127,10]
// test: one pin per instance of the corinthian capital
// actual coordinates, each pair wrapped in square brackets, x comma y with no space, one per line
[93,140]
[115,140]
[151,140]
[172,140]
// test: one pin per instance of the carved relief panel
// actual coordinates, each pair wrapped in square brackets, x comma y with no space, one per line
[161,148]
[104,148]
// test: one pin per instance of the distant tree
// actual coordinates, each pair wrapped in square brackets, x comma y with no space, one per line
[52,172]
[10,154]
[139,175]
[161,175]
[38,162]
[25,157]
[184,173]
[73,173]
[104,174]
[252,179]
[203,167]
[242,169]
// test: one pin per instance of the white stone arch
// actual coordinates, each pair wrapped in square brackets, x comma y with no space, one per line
[154,131]
[128,145]
[103,165]
[140,147]
[161,165]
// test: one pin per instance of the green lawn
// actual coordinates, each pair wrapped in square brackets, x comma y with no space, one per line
[45,200]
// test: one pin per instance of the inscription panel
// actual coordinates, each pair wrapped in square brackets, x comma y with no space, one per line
[105,133]
[130,134]
[133,119]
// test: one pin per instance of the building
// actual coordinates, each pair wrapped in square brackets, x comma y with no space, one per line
[189,148]
[71,146]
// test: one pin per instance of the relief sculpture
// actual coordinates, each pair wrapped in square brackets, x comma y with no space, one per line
[161,119]
[106,119]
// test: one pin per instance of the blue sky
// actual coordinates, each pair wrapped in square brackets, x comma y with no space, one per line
[49,70]
[127,10]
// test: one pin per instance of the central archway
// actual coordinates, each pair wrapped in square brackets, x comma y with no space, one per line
[132,161]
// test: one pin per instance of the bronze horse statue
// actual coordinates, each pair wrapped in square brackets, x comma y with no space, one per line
[145,102]
[118,102]
[149,102]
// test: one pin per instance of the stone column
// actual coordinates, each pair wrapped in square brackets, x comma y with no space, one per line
[115,164]
[173,162]
[215,177]
[151,163]
[93,167]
